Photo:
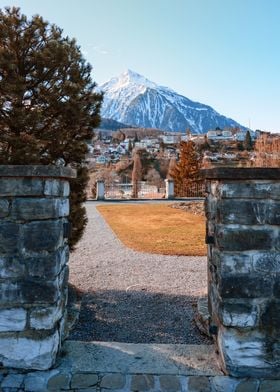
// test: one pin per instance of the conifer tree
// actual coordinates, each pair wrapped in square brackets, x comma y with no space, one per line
[48,103]
[248,144]
[130,146]
[186,171]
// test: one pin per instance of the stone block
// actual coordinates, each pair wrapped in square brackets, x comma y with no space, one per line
[84,380]
[211,207]
[11,267]
[13,382]
[44,171]
[240,314]
[113,381]
[213,188]
[9,237]
[28,291]
[270,317]
[10,293]
[46,266]
[243,286]
[210,227]
[38,381]
[55,187]
[58,382]
[223,384]
[270,386]
[215,256]
[46,317]
[142,382]
[21,352]
[42,236]
[244,354]
[199,384]
[12,319]
[250,190]
[214,300]
[248,212]
[169,383]
[248,386]
[4,208]
[276,288]
[213,274]
[265,262]
[21,187]
[33,291]
[38,208]
[241,238]
[236,263]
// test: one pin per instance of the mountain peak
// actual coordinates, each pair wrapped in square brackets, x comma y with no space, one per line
[130,77]
[131,98]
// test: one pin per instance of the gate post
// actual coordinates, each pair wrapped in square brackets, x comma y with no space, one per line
[100,190]
[243,237]
[34,207]
[169,188]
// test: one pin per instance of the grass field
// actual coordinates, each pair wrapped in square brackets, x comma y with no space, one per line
[157,228]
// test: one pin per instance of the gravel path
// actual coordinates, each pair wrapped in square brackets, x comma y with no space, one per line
[134,297]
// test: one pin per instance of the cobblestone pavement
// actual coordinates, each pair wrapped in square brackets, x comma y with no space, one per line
[129,296]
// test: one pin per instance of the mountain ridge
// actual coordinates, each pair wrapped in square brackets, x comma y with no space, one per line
[133,99]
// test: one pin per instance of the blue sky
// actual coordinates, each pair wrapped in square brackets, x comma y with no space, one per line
[224,53]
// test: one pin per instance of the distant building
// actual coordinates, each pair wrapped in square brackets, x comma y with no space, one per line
[219,134]
[171,139]
[101,160]
[240,136]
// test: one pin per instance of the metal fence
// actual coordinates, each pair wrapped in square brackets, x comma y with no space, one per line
[190,189]
[125,191]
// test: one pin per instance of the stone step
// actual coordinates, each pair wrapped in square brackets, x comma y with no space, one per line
[130,358]
[127,367]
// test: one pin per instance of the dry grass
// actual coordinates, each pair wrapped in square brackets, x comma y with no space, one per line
[157,228]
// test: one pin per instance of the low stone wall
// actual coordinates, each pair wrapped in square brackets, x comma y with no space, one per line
[243,236]
[34,207]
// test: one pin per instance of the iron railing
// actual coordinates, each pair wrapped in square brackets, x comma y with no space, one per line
[190,189]
[126,191]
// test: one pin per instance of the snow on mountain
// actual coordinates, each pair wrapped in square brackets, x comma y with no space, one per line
[132,99]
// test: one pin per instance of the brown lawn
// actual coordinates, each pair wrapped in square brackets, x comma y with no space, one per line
[157,228]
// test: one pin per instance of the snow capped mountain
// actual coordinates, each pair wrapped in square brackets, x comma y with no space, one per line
[132,99]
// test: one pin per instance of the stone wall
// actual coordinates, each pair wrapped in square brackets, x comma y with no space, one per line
[243,236]
[34,207]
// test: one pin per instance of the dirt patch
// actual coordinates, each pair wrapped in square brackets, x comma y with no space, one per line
[194,207]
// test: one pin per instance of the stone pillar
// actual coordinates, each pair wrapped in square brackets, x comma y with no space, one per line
[243,236]
[100,190]
[34,207]
[169,189]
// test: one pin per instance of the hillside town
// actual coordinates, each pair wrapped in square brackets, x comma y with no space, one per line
[111,147]
[110,152]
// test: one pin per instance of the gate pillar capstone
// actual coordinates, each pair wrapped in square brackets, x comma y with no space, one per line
[243,236]
[34,207]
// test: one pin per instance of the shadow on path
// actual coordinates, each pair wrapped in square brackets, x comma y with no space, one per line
[137,317]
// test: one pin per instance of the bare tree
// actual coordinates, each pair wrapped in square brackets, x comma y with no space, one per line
[153,178]
[267,150]
[136,174]
[171,167]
